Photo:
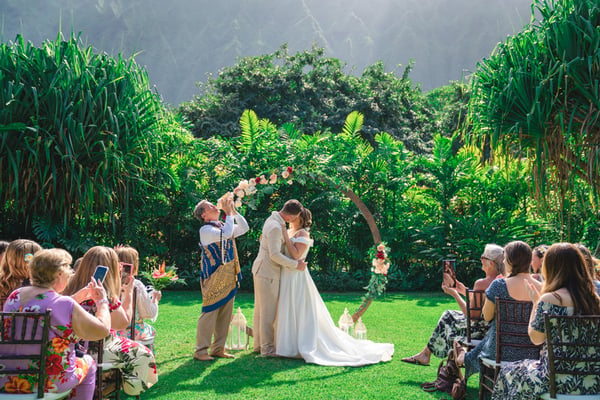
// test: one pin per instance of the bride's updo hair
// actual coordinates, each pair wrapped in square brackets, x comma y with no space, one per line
[306,218]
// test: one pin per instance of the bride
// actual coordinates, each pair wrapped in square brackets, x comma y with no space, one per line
[304,327]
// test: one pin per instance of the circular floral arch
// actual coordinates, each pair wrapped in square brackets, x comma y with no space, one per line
[378,253]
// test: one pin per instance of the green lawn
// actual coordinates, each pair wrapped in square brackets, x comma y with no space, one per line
[405,319]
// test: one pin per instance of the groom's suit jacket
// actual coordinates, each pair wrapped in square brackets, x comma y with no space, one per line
[270,256]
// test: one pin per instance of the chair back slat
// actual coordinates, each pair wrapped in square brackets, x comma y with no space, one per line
[133,314]
[512,336]
[24,336]
[474,300]
[573,343]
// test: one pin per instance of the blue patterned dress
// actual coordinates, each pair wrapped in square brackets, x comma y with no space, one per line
[487,347]
[528,379]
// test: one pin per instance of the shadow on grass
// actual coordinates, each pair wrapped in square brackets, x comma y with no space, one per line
[224,377]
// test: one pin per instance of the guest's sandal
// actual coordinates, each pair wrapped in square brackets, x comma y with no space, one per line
[413,360]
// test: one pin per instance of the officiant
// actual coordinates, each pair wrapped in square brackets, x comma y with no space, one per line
[219,275]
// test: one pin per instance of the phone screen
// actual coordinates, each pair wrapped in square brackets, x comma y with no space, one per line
[100,273]
[126,269]
[449,272]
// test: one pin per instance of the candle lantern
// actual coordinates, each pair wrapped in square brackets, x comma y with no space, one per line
[360,330]
[345,322]
[237,339]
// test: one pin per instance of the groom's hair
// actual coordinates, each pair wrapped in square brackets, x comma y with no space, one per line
[292,207]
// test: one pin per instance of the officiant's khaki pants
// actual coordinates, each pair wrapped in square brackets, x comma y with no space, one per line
[213,323]
[266,294]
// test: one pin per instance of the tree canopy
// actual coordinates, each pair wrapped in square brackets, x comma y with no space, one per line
[314,93]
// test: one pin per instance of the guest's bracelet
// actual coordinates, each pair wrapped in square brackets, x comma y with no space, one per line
[101,301]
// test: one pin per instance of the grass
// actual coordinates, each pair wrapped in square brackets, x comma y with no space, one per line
[405,319]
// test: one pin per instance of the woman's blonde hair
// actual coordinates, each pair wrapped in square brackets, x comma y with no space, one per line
[129,255]
[46,264]
[98,255]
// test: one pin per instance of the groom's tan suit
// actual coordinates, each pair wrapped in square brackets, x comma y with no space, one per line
[266,270]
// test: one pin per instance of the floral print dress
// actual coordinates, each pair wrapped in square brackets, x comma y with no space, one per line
[65,370]
[528,379]
[136,361]
[452,326]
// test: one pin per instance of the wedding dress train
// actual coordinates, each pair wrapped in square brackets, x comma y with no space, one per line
[305,327]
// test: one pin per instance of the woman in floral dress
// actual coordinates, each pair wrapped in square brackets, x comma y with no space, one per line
[452,325]
[567,290]
[135,360]
[50,271]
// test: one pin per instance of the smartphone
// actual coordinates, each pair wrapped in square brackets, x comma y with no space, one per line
[126,270]
[449,272]
[100,273]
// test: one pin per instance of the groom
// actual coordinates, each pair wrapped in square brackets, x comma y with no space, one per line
[266,270]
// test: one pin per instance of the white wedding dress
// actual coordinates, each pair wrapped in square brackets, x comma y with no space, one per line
[305,328]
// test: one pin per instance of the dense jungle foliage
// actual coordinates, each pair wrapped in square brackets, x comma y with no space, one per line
[89,155]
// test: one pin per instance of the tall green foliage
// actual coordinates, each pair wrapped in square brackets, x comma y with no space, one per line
[84,143]
[538,93]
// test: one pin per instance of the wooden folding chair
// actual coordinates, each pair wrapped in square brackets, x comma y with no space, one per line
[512,342]
[108,376]
[474,300]
[572,355]
[145,342]
[24,339]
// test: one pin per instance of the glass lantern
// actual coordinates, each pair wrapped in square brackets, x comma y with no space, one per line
[237,339]
[346,323]
[360,330]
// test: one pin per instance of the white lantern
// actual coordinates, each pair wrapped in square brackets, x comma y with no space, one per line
[360,330]
[237,339]
[346,323]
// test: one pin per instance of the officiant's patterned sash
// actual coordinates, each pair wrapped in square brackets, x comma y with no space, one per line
[219,274]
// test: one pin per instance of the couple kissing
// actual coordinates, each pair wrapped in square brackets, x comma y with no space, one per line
[290,317]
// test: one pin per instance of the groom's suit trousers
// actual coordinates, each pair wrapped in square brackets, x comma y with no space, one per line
[266,295]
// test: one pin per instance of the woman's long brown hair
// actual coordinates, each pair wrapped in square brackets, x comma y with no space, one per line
[564,267]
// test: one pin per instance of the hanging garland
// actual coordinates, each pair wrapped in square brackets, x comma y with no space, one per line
[378,253]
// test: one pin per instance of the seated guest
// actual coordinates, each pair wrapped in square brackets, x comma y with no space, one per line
[50,272]
[590,264]
[453,324]
[568,290]
[135,361]
[13,265]
[517,260]
[537,257]
[146,303]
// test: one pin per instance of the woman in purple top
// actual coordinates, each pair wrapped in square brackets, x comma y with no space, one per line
[50,271]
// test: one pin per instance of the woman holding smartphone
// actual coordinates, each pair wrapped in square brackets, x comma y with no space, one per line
[453,323]
[136,361]
[146,303]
